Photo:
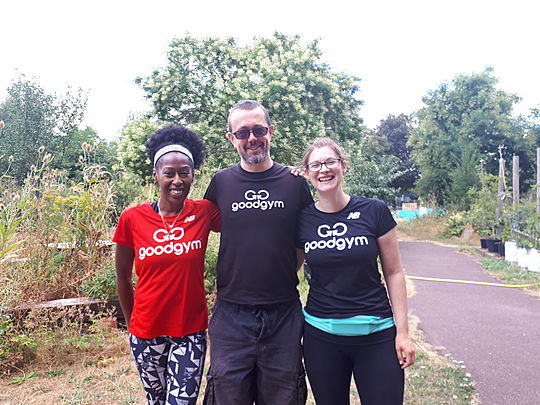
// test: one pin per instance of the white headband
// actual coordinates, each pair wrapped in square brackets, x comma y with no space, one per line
[172,148]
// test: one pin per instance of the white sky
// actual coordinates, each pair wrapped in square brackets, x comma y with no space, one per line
[400,49]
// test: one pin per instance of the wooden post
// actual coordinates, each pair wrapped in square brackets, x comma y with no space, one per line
[515,180]
[538,180]
[500,191]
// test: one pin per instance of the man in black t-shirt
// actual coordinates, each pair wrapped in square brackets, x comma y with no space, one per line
[256,326]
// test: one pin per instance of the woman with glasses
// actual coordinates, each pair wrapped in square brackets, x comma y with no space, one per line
[166,240]
[350,327]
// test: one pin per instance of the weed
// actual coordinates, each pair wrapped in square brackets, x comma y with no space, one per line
[22,378]
[55,373]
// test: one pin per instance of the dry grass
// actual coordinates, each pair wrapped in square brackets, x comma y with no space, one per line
[108,376]
[433,229]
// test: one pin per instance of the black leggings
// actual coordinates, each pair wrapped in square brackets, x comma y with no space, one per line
[331,360]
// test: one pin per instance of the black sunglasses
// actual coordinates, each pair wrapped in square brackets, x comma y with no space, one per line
[257,132]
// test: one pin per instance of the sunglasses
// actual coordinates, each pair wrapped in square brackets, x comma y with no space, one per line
[258,132]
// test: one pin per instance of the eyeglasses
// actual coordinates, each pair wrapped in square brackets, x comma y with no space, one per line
[257,132]
[331,163]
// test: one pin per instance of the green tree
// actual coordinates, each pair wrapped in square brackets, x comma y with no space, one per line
[369,175]
[395,130]
[33,119]
[305,97]
[464,178]
[131,149]
[469,114]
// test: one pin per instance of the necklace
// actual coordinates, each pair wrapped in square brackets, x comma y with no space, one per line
[165,224]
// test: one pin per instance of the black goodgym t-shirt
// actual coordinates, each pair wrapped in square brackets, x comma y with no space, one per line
[341,250]
[259,221]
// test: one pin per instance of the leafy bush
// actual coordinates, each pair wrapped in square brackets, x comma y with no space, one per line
[455,224]
[524,219]
[102,284]
[484,205]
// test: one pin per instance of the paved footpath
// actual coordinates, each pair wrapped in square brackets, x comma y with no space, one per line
[495,331]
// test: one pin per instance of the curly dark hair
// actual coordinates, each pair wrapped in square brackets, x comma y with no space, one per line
[176,134]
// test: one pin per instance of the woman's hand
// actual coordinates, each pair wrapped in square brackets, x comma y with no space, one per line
[405,350]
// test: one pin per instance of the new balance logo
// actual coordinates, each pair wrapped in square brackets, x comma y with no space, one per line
[190,218]
[354,215]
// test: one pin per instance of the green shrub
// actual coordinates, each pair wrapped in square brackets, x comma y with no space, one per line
[455,224]
[102,284]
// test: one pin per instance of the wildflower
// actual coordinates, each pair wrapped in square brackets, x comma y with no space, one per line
[2,124]
[81,159]
[88,147]
[96,144]
[33,168]
[10,158]
[47,158]
[41,149]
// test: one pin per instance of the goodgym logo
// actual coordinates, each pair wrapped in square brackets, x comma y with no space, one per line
[335,242]
[256,200]
[175,246]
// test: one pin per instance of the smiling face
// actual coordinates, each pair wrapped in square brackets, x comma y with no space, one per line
[254,151]
[174,175]
[326,180]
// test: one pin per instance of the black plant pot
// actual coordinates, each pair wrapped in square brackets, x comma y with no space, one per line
[500,247]
[483,243]
[491,244]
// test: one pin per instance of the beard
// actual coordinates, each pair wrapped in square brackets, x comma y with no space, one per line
[256,158]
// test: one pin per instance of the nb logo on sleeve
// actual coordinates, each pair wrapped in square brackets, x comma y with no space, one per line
[256,200]
[354,215]
[335,242]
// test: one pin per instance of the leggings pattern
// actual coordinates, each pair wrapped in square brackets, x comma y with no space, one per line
[170,367]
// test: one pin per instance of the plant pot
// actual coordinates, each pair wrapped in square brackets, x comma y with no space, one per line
[491,244]
[523,257]
[483,243]
[534,260]
[500,248]
[510,250]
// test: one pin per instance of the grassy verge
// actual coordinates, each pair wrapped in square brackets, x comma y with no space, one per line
[512,274]
[435,378]
[433,229]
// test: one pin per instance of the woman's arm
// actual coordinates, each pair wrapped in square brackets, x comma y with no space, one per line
[123,261]
[397,291]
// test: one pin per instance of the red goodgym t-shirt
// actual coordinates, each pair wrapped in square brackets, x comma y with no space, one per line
[170,299]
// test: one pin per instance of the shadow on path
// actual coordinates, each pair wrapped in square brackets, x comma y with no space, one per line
[495,331]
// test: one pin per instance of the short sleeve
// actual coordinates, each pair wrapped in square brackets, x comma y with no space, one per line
[123,234]
[386,221]
[210,193]
[305,198]
[213,212]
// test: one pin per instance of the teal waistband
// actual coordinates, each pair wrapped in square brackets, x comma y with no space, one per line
[356,326]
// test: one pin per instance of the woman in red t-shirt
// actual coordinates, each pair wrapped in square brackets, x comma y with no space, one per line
[166,240]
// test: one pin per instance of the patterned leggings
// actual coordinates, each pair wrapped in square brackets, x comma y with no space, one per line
[170,367]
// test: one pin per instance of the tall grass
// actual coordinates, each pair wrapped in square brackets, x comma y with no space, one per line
[52,229]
